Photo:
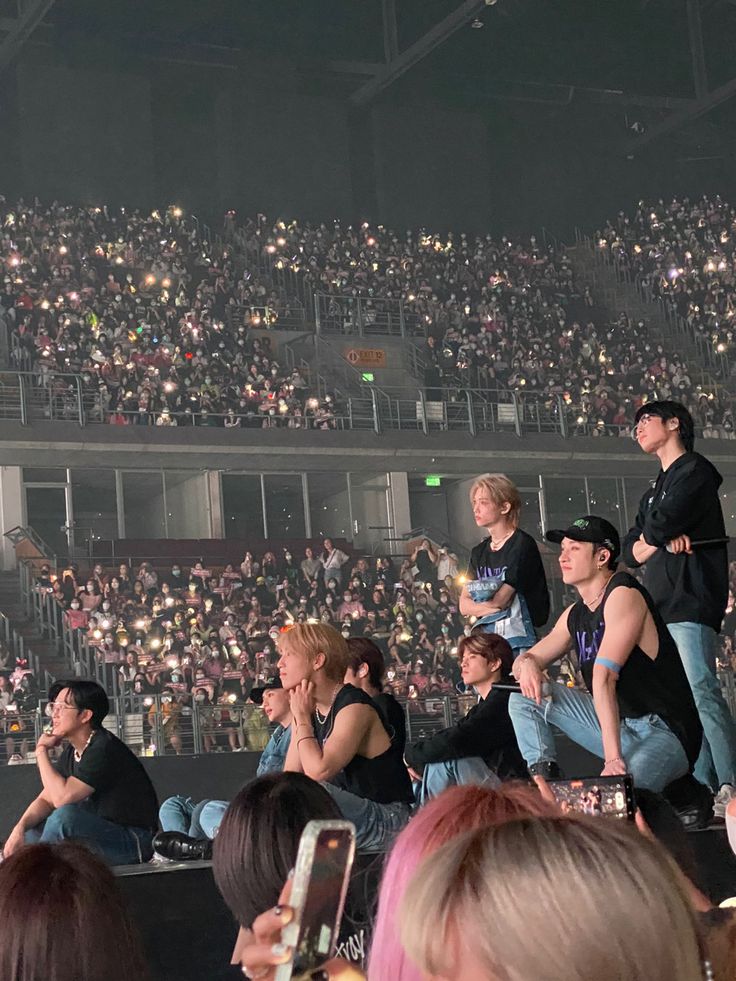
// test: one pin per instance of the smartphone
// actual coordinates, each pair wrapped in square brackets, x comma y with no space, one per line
[321,876]
[612,796]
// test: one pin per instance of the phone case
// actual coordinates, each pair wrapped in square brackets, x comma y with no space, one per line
[302,874]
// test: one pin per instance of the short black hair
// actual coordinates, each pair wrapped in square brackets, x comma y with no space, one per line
[85,694]
[362,650]
[666,409]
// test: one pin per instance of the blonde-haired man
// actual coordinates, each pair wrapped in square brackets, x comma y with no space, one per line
[507,588]
[339,736]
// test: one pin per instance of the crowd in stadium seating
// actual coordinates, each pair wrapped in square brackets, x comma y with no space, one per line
[498,314]
[156,319]
[151,316]
[683,252]
[19,698]
[210,633]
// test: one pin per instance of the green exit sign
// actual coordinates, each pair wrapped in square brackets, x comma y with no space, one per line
[368,376]
[433,480]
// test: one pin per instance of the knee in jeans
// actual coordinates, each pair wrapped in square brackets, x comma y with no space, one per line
[63,820]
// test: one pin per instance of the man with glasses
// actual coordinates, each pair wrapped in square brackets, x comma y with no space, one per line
[680,539]
[98,793]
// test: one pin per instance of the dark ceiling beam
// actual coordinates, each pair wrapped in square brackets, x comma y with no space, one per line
[25,24]
[697,50]
[417,51]
[560,94]
[390,30]
[696,109]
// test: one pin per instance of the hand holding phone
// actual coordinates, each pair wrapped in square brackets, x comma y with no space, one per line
[319,888]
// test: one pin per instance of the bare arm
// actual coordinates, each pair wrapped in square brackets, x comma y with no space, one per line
[350,729]
[58,790]
[624,619]
[529,668]
[642,550]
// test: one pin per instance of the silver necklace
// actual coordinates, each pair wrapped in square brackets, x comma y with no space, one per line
[323,719]
[594,604]
[496,545]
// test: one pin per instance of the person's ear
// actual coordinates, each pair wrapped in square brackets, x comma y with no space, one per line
[505,508]
[319,661]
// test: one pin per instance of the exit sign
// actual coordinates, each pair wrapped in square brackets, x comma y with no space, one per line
[368,376]
[433,480]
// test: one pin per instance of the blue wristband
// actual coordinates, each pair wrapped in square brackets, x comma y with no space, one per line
[608,663]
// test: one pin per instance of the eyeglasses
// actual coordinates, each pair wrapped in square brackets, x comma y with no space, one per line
[643,420]
[53,708]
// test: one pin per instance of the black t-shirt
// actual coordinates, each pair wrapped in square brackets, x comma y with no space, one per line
[123,792]
[519,563]
[646,685]
[384,778]
[394,719]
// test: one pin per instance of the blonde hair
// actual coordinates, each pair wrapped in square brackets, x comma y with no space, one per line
[312,639]
[617,901]
[501,490]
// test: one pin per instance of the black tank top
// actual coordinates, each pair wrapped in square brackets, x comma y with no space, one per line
[384,778]
[646,686]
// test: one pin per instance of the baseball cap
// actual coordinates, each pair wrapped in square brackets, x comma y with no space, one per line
[256,694]
[589,528]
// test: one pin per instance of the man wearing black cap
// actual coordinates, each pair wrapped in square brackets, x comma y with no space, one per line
[189,828]
[680,539]
[638,712]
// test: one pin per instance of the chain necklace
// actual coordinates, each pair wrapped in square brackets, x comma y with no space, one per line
[594,604]
[496,545]
[78,754]
[323,719]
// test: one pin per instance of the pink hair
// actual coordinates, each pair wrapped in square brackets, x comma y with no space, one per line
[456,810]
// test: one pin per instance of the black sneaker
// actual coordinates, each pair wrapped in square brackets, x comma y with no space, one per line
[178,847]
[547,769]
[692,800]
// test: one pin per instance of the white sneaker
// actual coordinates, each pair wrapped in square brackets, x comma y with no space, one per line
[723,798]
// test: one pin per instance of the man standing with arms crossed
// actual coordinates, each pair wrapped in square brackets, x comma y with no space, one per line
[687,581]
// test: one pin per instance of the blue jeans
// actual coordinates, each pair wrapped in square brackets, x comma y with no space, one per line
[716,764]
[116,843]
[653,754]
[376,825]
[199,821]
[437,777]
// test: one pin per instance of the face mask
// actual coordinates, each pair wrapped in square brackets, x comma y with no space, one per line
[199,697]
[75,605]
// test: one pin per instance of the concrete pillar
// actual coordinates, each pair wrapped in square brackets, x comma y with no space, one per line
[11,512]
[398,502]
[217,520]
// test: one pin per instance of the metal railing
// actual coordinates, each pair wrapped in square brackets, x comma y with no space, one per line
[364,316]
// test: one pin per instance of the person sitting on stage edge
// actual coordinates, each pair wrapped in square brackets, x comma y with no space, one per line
[189,828]
[506,588]
[340,737]
[366,668]
[98,793]
[481,747]
[638,712]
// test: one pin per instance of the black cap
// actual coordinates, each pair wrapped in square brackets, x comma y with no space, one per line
[589,528]
[256,694]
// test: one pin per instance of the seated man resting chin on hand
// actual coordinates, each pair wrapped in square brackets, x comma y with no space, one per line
[98,793]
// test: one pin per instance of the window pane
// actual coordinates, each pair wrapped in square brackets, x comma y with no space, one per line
[95,506]
[44,475]
[187,504]
[46,511]
[370,512]
[242,506]
[634,488]
[143,497]
[728,503]
[564,499]
[284,506]
[329,508]
[605,500]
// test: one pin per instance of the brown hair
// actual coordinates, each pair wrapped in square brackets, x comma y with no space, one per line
[259,837]
[489,646]
[63,918]
[362,650]
[319,638]
[501,491]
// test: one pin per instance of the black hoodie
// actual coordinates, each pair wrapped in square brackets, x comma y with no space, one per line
[684,501]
